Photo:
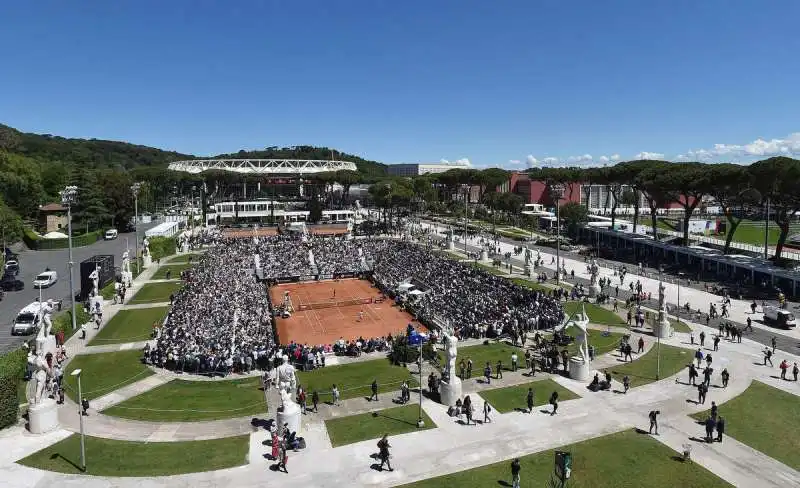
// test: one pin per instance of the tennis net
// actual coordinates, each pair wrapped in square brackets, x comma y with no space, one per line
[336,303]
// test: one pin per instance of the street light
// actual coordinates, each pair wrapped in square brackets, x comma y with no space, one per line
[135,188]
[77,374]
[69,196]
[420,422]
[557,191]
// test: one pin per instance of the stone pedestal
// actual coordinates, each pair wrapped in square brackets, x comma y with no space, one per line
[662,328]
[594,290]
[578,369]
[147,261]
[290,416]
[529,271]
[185,247]
[43,417]
[451,245]
[45,345]
[484,255]
[450,391]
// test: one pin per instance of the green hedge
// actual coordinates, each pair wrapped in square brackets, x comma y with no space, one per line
[12,371]
[161,247]
[63,321]
[35,242]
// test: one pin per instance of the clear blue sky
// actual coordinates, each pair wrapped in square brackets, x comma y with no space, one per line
[410,81]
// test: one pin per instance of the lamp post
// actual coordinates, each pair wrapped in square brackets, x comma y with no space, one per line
[135,188]
[69,196]
[557,192]
[77,374]
[466,198]
[420,422]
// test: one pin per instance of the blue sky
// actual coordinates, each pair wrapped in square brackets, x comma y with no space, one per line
[498,83]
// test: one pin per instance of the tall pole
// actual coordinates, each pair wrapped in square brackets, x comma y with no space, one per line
[557,192]
[77,373]
[68,197]
[766,232]
[420,422]
[466,196]
[135,190]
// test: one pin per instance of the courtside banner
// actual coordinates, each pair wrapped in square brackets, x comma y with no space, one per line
[307,278]
[343,275]
[324,277]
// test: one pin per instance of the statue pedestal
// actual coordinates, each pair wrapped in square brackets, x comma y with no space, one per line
[185,247]
[45,345]
[291,416]
[484,255]
[43,417]
[662,328]
[451,245]
[594,290]
[147,261]
[450,391]
[578,369]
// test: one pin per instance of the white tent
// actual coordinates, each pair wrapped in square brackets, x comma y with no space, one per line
[404,287]
[55,235]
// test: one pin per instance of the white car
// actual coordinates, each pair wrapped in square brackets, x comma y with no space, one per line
[45,279]
[111,234]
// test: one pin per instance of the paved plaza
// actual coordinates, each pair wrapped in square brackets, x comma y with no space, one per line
[450,447]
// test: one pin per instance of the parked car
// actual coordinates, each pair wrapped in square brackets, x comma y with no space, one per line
[12,266]
[45,279]
[111,234]
[9,282]
[28,320]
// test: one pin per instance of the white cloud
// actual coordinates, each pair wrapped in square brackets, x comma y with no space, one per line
[550,162]
[760,148]
[514,162]
[603,159]
[531,161]
[614,157]
[649,155]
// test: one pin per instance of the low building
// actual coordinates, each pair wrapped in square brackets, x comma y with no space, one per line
[417,169]
[52,217]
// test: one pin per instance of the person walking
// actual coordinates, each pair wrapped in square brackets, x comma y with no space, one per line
[698,356]
[716,343]
[654,420]
[725,377]
[784,366]
[468,409]
[284,457]
[692,374]
[710,424]
[335,393]
[315,400]
[626,384]
[487,373]
[641,346]
[469,368]
[554,402]
[515,469]
[707,376]
[795,371]
[720,428]
[702,338]
[487,409]
[383,452]
[714,410]
[774,342]
[529,400]
[767,357]
[514,361]
[701,393]
[374,387]
[499,369]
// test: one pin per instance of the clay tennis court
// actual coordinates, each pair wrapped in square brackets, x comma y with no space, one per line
[326,324]
[245,233]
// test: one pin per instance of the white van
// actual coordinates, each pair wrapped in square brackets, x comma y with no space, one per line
[111,234]
[28,320]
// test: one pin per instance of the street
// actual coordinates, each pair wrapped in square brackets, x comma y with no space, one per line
[34,262]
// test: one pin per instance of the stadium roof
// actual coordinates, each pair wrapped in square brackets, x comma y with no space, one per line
[262,166]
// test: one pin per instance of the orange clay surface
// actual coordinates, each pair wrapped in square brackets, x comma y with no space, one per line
[327,325]
[244,233]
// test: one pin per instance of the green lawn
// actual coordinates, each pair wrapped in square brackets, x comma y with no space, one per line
[622,460]
[642,370]
[373,425]
[104,373]
[596,313]
[107,457]
[679,326]
[492,352]
[449,255]
[508,399]
[193,401]
[532,285]
[183,258]
[354,379]
[174,269]
[156,292]
[764,418]
[131,325]
[490,269]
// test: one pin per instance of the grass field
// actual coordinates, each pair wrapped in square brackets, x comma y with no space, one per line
[491,352]
[130,325]
[643,369]
[490,269]
[107,457]
[193,401]
[174,269]
[510,398]
[104,373]
[183,258]
[622,460]
[532,285]
[679,326]
[354,379]
[764,418]
[596,313]
[156,292]
[373,425]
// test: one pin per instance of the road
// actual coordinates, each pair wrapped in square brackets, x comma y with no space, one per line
[34,262]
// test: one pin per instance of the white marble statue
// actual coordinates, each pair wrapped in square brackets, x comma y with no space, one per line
[126,262]
[47,320]
[146,247]
[286,398]
[95,277]
[451,350]
[286,375]
[581,321]
[37,385]
[594,271]
[662,301]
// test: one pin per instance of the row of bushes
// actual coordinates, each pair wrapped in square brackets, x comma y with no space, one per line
[12,372]
[37,243]
[161,247]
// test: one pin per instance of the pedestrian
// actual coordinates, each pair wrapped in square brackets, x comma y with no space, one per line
[275,446]
[767,357]
[692,374]
[716,343]
[698,356]
[487,373]
[85,407]
[374,387]
[714,410]
[487,409]
[725,377]
[301,397]
[515,469]
[383,452]
[626,383]
[784,366]
[469,367]
[707,376]
[720,428]
[335,393]
[499,369]
[774,342]
[284,457]
[708,360]
[529,400]
[749,324]
[710,424]
[795,370]
[641,346]
[702,338]
[554,402]
[514,361]
[701,393]
[315,400]
[691,337]
[654,420]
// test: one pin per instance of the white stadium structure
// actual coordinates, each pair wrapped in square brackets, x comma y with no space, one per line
[277,167]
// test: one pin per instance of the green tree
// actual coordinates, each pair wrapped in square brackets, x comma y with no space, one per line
[733,191]
[89,211]
[653,181]
[687,184]
[10,224]
[574,214]
[21,183]
[778,179]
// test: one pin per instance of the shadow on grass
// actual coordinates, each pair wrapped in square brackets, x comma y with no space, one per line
[56,455]
[401,421]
